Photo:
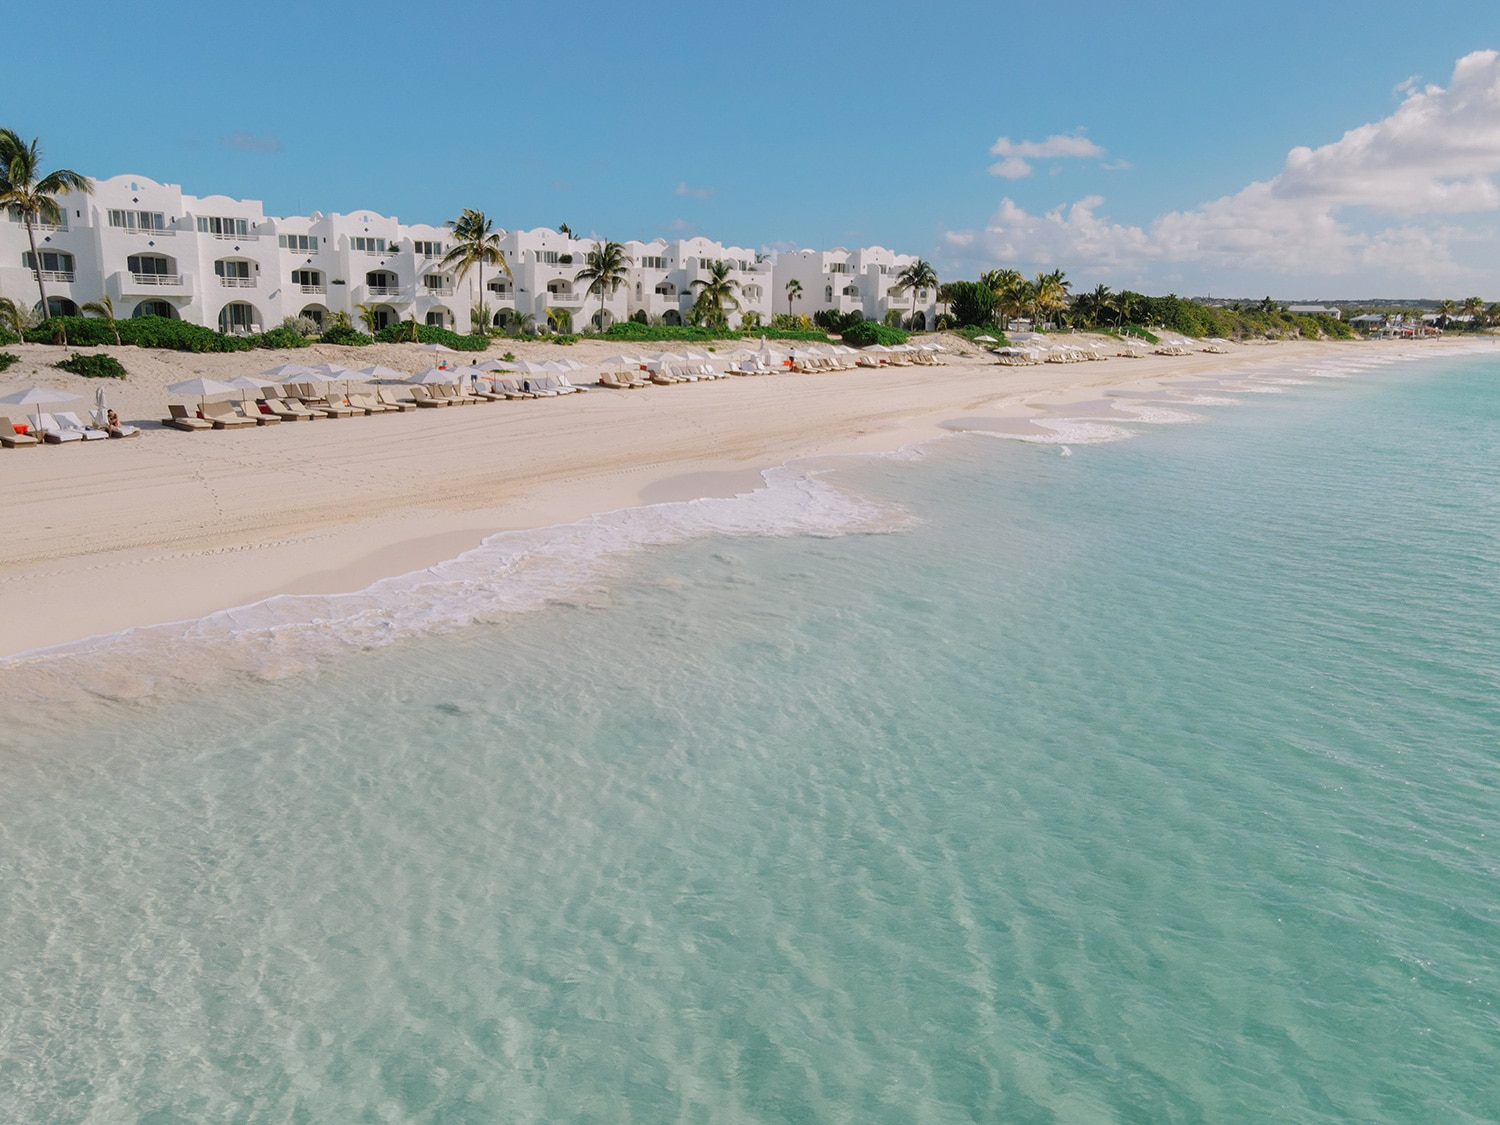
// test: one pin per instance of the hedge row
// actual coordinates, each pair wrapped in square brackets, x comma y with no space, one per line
[866,332]
[401,332]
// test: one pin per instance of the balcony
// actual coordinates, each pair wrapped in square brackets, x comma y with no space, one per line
[375,253]
[555,299]
[153,232]
[222,237]
[439,291]
[55,275]
[383,291]
[376,294]
[39,225]
[236,282]
[126,284]
[313,290]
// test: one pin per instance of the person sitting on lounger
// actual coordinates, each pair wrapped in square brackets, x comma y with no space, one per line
[112,425]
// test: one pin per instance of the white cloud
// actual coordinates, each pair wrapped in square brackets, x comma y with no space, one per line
[1378,203]
[692,192]
[1017,155]
[242,141]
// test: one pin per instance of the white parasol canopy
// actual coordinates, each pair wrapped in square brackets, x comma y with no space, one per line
[202,388]
[376,371]
[286,371]
[38,396]
[436,348]
[433,375]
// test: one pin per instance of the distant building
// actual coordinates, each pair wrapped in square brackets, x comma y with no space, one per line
[224,263]
[1316,310]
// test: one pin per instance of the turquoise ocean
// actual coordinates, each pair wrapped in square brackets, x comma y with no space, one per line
[1131,771]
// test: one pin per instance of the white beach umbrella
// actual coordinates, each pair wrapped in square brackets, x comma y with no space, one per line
[985,340]
[432,375]
[250,383]
[495,365]
[376,371]
[202,388]
[877,348]
[531,367]
[285,371]
[627,360]
[436,348]
[38,396]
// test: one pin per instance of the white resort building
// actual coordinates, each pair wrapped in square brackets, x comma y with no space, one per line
[225,264]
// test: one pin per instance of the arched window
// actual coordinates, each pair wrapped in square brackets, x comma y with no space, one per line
[828,293]
[238,318]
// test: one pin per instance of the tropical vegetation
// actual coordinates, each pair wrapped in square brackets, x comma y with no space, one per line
[914,278]
[475,245]
[95,366]
[716,294]
[27,190]
[606,268]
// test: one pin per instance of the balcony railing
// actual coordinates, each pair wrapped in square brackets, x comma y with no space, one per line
[313,289]
[54,275]
[232,237]
[164,232]
[376,253]
[673,296]
[157,278]
[39,225]
[555,298]
[384,290]
[237,282]
[439,291]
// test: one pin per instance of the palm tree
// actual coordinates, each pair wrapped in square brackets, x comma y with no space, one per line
[793,291]
[918,275]
[519,323]
[1014,300]
[1049,295]
[1473,308]
[605,271]
[474,245]
[563,228]
[559,320]
[945,296]
[13,317]
[1445,310]
[1098,305]
[24,188]
[1492,314]
[104,308]
[369,316]
[715,293]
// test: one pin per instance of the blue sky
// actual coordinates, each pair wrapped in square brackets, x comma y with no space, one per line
[818,124]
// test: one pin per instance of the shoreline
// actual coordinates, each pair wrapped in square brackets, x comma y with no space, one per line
[187,525]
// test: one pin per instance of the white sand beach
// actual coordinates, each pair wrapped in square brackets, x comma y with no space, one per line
[168,526]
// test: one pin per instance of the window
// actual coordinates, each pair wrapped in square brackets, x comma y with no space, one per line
[53,261]
[828,293]
[428,249]
[370,245]
[302,243]
[433,281]
[547,257]
[666,289]
[437,318]
[851,290]
[148,264]
[19,216]
[138,220]
[654,263]
[237,317]
[308,279]
[381,279]
[238,270]
[222,227]
[838,267]
[502,288]
[556,287]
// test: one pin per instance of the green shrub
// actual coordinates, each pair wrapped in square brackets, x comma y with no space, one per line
[8,358]
[8,337]
[975,330]
[173,335]
[94,366]
[282,337]
[640,317]
[971,303]
[345,334]
[831,320]
[432,334]
[868,332]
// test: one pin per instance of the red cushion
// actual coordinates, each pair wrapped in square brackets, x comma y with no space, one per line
[18,427]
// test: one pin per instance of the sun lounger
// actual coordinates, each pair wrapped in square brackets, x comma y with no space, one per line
[10,439]
[50,432]
[335,408]
[181,418]
[67,420]
[100,418]
[388,397]
[457,394]
[288,412]
[608,379]
[225,417]
[423,399]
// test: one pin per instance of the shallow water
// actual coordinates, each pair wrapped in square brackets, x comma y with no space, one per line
[1153,782]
